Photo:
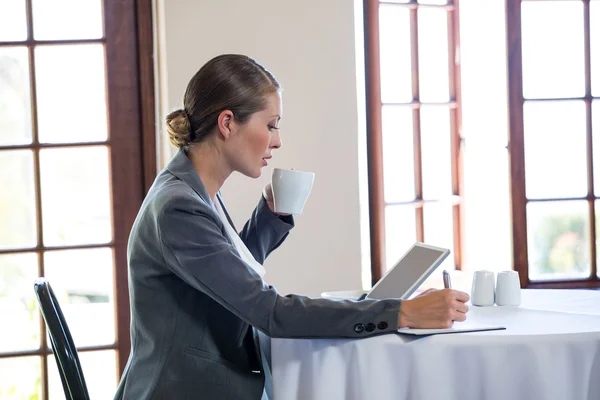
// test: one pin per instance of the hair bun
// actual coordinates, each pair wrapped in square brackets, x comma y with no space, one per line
[179,128]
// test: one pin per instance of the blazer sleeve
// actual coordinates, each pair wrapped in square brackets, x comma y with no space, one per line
[194,248]
[265,231]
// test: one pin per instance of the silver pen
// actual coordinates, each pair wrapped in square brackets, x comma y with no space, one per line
[447,283]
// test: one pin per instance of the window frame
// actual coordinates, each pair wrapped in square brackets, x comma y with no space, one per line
[129,50]
[516,147]
[377,202]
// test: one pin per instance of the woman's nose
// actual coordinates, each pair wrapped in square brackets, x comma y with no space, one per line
[276,140]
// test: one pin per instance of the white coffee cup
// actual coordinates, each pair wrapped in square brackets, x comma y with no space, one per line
[482,290]
[508,289]
[290,189]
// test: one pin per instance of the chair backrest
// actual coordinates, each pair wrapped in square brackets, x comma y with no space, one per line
[63,346]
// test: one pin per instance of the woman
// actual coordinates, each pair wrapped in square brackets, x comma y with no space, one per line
[196,289]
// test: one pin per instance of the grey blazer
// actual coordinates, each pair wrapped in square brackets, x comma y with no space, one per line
[194,301]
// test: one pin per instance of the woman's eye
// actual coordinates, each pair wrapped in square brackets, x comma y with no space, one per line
[271,127]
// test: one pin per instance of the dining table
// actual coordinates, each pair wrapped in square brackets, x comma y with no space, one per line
[550,350]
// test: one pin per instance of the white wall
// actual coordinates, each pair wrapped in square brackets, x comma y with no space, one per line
[309,46]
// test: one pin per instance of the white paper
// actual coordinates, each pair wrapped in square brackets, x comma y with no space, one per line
[458,327]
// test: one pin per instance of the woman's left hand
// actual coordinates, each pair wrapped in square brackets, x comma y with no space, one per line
[268,195]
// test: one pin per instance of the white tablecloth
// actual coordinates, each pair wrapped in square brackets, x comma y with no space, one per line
[549,351]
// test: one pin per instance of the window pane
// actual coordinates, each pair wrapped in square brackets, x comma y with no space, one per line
[553,53]
[13,21]
[100,369]
[438,2]
[83,283]
[100,372]
[17,200]
[433,55]
[18,303]
[435,152]
[558,240]
[596,145]
[21,378]
[595,46]
[555,149]
[398,154]
[54,19]
[15,112]
[400,232]
[71,93]
[439,229]
[75,196]
[395,59]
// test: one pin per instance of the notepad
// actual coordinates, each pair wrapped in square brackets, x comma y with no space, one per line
[458,327]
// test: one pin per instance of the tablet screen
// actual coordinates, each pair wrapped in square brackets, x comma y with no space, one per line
[410,271]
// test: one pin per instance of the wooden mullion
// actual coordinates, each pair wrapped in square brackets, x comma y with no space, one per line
[589,137]
[36,145]
[145,41]
[562,99]
[455,132]
[454,200]
[588,197]
[44,351]
[516,139]
[40,249]
[374,139]
[37,185]
[413,5]
[417,104]
[30,42]
[416,117]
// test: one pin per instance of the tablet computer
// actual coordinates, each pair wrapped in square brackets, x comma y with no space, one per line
[401,281]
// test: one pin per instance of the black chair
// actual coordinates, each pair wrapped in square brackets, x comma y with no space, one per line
[63,347]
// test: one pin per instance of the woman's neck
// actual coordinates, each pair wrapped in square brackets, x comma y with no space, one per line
[210,166]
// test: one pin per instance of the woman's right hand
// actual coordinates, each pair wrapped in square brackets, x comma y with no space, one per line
[434,309]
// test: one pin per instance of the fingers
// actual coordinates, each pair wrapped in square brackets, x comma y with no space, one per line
[461,296]
[459,316]
[462,308]
[459,313]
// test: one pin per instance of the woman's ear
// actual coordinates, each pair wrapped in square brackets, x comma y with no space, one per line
[225,123]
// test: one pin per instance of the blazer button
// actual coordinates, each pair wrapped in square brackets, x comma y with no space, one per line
[359,328]
[382,325]
[370,327]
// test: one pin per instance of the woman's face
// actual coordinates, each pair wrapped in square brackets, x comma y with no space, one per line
[255,140]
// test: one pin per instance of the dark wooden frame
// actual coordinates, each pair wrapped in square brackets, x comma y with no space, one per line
[129,49]
[519,199]
[377,202]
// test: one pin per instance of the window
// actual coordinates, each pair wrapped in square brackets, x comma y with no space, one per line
[554,106]
[554,118]
[413,124]
[77,153]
